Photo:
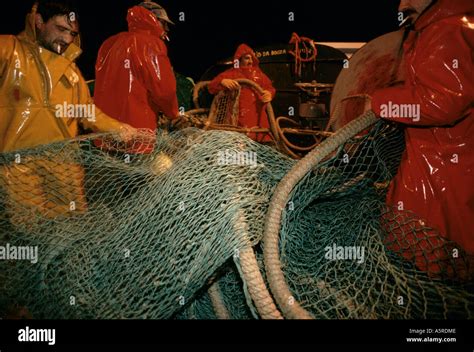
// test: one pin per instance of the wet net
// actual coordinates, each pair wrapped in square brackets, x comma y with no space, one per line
[360,259]
[124,236]
[161,235]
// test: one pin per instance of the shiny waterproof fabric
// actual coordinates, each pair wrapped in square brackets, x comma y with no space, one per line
[436,177]
[134,77]
[43,99]
[251,109]
[34,82]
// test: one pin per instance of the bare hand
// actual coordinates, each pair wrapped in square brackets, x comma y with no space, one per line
[368,104]
[230,84]
[266,96]
[127,132]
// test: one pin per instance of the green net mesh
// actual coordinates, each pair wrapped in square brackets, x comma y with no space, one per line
[229,287]
[345,254]
[121,237]
[154,236]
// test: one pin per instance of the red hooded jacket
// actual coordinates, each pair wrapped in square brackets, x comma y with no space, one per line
[134,77]
[436,177]
[251,109]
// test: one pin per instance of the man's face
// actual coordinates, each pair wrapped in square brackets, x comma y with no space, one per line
[413,8]
[58,33]
[246,60]
[164,25]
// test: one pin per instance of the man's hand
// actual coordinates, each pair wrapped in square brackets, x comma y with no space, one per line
[368,104]
[230,84]
[127,132]
[266,96]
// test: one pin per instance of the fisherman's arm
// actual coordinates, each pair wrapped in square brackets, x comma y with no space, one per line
[7,46]
[268,90]
[101,122]
[153,69]
[225,80]
[442,90]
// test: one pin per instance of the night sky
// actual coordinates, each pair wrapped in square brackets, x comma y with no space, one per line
[213,29]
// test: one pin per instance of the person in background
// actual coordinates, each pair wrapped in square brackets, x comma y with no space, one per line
[134,77]
[251,106]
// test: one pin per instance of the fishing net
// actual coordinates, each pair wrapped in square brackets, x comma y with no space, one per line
[223,300]
[346,254]
[123,236]
[159,235]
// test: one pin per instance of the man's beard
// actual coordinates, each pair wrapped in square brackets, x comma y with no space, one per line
[54,46]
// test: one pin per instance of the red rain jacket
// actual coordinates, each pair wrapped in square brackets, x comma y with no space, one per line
[436,177]
[251,109]
[134,77]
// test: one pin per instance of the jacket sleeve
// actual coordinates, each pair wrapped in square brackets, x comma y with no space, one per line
[439,81]
[7,45]
[153,68]
[215,86]
[267,85]
[102,122]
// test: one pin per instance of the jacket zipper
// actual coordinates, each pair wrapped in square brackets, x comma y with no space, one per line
[46,80]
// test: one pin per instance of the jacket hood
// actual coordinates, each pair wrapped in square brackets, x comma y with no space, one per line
[443,9]
[244,49]
[139,18]
[29,35]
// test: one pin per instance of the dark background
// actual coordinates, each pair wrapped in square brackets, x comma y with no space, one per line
[213,28]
